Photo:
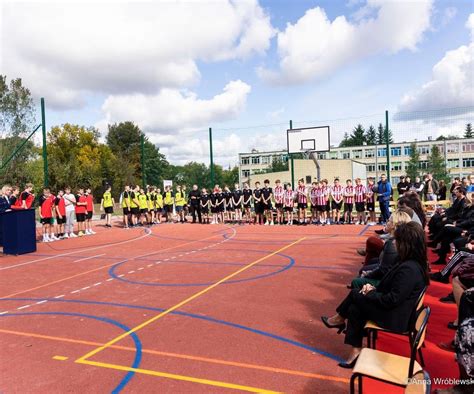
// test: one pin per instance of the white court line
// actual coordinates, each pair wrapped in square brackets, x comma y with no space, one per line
[89,258]
[97,284]
[85,288]
[108,280]
[59,296]
[41,302]
[2,313]
[23,307]
[75,291]
[147,231]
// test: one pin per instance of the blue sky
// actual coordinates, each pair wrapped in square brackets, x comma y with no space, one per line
[181,75]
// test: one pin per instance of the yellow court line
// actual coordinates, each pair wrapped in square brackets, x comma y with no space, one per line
[60,358]
[184,357]
[104,266]
[184,378]
[184,302]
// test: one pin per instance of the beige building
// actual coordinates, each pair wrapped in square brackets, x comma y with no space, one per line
[307,170]
[458,155]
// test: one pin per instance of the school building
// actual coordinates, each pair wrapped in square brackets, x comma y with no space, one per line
[458,155]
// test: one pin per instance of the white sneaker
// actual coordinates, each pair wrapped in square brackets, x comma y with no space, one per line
[92,232]
[87,232]
[65,236]
[271,223]
[54,238]
[72,235]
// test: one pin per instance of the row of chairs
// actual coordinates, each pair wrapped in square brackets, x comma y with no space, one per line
[391,368]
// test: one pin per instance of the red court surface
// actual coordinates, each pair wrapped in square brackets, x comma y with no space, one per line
[189,308]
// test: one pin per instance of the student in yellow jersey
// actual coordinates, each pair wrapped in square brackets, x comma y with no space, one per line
[125,202]
[168,200]
[179,203]
[186,203]
[135,205]
[158,205]
[143,205]
[107,204]
[151,204]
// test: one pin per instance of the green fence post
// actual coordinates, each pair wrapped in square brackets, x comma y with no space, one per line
[211,156]
[292,162]
[45,147]
[387,142]
[142,146]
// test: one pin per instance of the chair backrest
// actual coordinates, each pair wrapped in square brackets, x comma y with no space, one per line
[419,336]
[417,309]
[419,383]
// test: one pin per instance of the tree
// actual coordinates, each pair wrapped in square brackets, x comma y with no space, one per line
[231,176]
[278,165]
[448,137]
[381,138]
[437,165]
[412,167]
[345,141]
[468,133]
[155,164]
[357,137]
[371,135]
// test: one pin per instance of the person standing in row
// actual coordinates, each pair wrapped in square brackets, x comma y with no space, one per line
[247,201]
[302,201]
[45,209]
[195,204]
[267,194]
[431,187]
[278,194]
[220,204]
[168,200]
[204,205]
[384,191]
[314,192]
[81,210]
[370,199]
[27,197]
[158,205]
[60,207]
[258,204]
[348,201]
[237,198]
[90,211]
[337,194]
[70,203]
[289,204]
[179,203]
[214,207]
[322,202]
[360,192]
[107,204]
[134,205]
[125,197]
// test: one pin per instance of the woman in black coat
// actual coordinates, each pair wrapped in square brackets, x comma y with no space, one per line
[391,303]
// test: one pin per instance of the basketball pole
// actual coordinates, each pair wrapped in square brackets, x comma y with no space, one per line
[387,142]
[211,164]
[45,150]
[292,163]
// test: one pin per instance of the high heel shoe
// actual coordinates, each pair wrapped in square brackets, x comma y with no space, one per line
[340,327]
[348,365]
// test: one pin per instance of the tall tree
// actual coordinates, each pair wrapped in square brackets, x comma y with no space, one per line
[412,168]
[278,165]
[437,165]
[357,137]
[381,138]
[468,133]
[371,135]
[345,140]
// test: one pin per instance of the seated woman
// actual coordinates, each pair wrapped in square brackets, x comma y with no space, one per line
[373,273]
[391,303]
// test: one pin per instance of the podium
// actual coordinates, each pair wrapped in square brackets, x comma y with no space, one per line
[18,231]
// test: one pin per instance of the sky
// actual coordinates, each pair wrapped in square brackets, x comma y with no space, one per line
[244,68]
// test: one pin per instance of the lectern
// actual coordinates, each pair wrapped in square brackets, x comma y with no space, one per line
[18,231]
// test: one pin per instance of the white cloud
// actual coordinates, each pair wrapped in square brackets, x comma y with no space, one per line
[451,84]
[315,47]
[64,51]
[448,14]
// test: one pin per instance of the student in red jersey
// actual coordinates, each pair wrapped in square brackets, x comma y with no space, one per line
[302,199]
[327,198]
[370,199]
[60,207]
[278,193]
[288,204]
[348,201]
[81,210]
[313,196]
[46,204]
[27,197]
[360,192]
[15,198]
[90,211]
[321,202]
[337,194]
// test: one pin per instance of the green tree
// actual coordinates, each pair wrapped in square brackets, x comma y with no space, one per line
[448,137]
[230,176]
[278,165]
[345,141]
[381,138]
[468,133]
[371,135]
[412,167]
[437,165]
[155,164]
[357,137]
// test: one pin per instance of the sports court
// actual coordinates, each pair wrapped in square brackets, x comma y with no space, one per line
[189,308]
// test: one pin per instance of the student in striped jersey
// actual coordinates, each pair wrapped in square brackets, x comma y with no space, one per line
[314,192]
[107,204]
[321,202]
[370,199]
[288,204]
[327,197]
[337,194]
[278,193]
[348,201]
[302,198]
[360,192]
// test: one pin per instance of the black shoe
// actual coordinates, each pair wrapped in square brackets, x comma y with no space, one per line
[340,327]
[452,326]
[380,232]
[348,365]
[449,299]
[438,277]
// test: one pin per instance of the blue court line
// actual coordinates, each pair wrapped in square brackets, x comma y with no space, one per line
[127,280]
[193,316]
[136,340]
[364,229]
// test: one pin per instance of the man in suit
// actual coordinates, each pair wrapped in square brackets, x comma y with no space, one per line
[450,215]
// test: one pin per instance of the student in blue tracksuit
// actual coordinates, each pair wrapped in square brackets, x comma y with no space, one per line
[384,191]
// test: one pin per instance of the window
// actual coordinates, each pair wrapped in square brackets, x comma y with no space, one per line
[357,154]
[369,153]
[370,167]
[424,150]
[266,160]
[333,155]
[322,156]
[346,154]
[423,164]
[468,162]
[382,152]
[452,148]
[453,163]
[245,160]
[308,179]
[245,173]
[407,150]
[468,146]
[255,159]
[382,167]
[397,151]
[396,166]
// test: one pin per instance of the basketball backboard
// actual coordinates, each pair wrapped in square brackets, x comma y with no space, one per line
[309,139]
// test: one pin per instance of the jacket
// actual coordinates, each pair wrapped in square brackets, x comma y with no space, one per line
[434,186]
[455,211]
[4,204]
[397,295]
[384,190]
[388,259]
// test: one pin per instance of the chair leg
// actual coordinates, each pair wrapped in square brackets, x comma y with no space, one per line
[369,333]
[360,384]
[422,361]
[374,340]
[353,378]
